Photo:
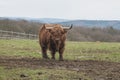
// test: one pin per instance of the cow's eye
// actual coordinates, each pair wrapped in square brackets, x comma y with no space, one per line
[51,32]
[62,32]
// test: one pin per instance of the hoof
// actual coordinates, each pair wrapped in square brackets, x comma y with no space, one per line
[61,60]
[53,58]
[45,57]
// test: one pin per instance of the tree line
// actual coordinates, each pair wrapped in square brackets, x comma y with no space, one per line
[79,33]
[20,26]
[108,34]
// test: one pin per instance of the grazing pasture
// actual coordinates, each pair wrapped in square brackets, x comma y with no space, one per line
[22,60]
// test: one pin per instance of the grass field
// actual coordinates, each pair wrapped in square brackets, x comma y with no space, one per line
[97,51]
[74,50]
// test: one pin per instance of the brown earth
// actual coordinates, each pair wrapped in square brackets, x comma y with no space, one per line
[98,70]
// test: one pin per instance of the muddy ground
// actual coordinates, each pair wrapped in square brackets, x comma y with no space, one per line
[99,70]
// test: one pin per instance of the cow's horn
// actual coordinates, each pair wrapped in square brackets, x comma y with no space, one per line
[71,26]
[49,27]
[67,28]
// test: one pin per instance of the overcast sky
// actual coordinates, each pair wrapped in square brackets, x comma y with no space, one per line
[66,9]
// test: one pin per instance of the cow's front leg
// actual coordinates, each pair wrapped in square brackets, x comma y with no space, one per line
[53,54]
[61,54]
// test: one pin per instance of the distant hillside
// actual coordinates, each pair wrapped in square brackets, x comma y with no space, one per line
[50,20]
[94,23]
[40,20]
[84,23]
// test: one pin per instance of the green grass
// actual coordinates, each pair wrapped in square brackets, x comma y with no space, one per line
[40,74]
[93,51]
[74,50]
[19,48]
[93,47]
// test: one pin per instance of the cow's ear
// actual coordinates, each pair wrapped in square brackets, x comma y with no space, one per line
[44,25]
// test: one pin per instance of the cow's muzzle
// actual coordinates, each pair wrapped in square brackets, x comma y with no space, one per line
[57,39]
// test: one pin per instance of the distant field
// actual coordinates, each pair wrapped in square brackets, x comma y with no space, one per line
[21,60]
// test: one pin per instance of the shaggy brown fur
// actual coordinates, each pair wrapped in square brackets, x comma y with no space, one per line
[52,39]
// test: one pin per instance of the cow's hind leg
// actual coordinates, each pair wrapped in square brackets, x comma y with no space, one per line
[44,53]
[53,54]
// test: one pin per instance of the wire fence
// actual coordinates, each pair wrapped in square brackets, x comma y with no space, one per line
[16,35]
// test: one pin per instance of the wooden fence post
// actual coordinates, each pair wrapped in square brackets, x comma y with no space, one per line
[11,35]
